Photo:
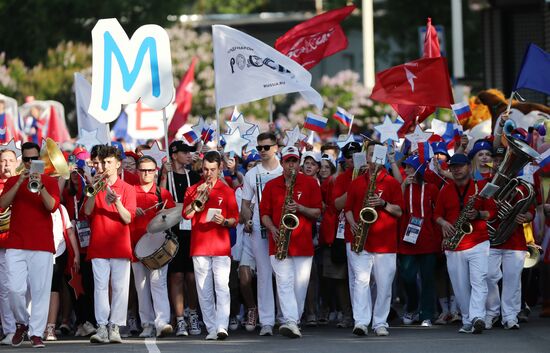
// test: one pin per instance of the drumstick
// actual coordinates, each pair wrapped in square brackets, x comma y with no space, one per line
[155,205]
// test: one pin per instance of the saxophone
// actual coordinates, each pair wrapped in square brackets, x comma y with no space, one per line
[289,222]
[367,215]
[462,226]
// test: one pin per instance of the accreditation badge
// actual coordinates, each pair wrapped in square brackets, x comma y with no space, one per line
[413,230]
[341,226]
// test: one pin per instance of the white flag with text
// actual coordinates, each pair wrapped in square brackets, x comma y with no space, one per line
[247,69]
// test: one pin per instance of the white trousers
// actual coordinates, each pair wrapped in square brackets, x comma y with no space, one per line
[468,273]
[264,277]
[35,269]
[119,272]
[152,293]
[360,268]
[212,274]
[6,315]
[508,265]
[292,279]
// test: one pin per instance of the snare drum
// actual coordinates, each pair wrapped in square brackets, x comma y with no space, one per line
[156,250]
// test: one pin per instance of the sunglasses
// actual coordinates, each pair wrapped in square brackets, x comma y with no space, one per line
[28,159]
[261,148]
[147,170]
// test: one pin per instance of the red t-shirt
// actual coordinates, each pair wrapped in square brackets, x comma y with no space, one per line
[429,239]
[306,193]
[110,238]
[144,200]
[31,225]
[329,222]
[209,238]
[130,178]
[448,207]
[382,236]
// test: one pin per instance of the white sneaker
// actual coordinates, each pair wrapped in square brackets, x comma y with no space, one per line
[360,330]
[164,330]
[381,331]
[148,331]
[7,340]
[194,325]
[49,335]
[267,330]
[426,323]
[87,329]
[489,322]
[511,325]
[410,318]
[181,328]
[212,336]
[290,330]
[101,335]
[233,323]
[251,319]
[222,334]
[114,334]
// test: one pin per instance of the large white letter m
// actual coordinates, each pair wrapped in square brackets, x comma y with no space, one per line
[115,83]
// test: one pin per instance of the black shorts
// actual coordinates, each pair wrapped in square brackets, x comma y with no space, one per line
[58,271]
[182,262]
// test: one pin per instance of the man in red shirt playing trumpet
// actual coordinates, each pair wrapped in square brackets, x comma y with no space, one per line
[212,208]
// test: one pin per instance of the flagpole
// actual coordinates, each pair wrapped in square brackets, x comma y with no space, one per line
[217,128]
[170,173]
[108,132]
[271,109]
[350,125]
[510,103]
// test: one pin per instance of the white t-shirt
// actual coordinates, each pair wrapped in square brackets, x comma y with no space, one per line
[249,187]
[58,238]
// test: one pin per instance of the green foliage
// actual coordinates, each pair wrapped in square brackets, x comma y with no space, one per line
[228,6]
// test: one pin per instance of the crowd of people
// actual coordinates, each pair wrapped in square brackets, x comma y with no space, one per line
[284,237]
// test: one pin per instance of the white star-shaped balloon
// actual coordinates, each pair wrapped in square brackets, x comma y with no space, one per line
[234,143]
[342,143]
[88,139]
[293,136]
[417,136]
[387,130]
[156,153]
[13,147]
[240,124]
[252,137]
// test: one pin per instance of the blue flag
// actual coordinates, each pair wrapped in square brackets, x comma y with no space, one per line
[535,70]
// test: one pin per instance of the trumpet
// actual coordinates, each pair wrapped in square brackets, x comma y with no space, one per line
[198,204]
[35,183]
[95,188]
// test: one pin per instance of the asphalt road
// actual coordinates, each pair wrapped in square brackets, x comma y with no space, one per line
[533,337]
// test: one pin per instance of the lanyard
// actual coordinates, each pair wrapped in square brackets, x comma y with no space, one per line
[173,185]
[421,200]
[463,195]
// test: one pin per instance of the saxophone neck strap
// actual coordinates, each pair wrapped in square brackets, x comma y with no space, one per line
[462,195]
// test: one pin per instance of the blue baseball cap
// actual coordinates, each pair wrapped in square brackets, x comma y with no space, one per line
[459,159]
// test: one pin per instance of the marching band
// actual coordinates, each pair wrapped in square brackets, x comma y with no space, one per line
[319,233]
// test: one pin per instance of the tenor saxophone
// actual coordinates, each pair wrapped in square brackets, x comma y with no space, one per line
[289,222]
[462,226]
[367,216]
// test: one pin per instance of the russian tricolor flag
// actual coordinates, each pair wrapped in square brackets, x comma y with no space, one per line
[343,116]
[462,110]
[425,152]
[190,136]
[315,122]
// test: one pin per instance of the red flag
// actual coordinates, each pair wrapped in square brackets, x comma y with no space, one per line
[57,131]
[431,42]
[309,42]
[409,113]
[184,97]
[419,82]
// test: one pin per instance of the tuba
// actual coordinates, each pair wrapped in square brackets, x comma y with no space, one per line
[5,220]
[519,153]
[367,215]
[289,222]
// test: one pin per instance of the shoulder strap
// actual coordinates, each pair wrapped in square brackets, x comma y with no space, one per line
[159,198]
